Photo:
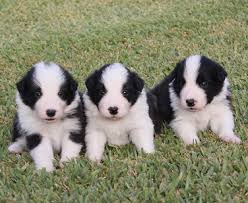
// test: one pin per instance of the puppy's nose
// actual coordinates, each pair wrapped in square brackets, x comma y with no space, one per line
[190,102]
[113,110]
[50,112]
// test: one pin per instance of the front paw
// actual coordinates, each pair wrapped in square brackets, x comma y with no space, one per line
[231,138]
[148,150]
[94,158]
[191,140]
[15,148]
[65,159]
[48,168]
[62,162]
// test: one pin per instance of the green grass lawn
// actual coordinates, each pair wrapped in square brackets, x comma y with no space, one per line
[150,36]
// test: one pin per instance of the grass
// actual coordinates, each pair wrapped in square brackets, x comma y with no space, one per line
[150,36]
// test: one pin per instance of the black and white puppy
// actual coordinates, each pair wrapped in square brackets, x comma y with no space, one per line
[50,115]
[196,96]
[117,111]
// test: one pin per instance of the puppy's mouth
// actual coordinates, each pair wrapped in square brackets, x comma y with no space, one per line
[192,109]
[114,118]
[50,120]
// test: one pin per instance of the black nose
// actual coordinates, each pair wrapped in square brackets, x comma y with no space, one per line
[190,102]
[113,110]
[50,112]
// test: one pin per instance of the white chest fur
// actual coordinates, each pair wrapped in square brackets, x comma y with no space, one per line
[54,131]
[117,131]
[201,120]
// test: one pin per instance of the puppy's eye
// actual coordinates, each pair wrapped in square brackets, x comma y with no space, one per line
[102,92]
[125,93]
[37,93]
[181,82]
[204,84]
[60,93]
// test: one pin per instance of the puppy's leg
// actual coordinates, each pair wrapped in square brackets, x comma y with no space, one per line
[223,125]
[41,151]
[186,131]
[95,143]
[143,139]
[17,146]
[71,147]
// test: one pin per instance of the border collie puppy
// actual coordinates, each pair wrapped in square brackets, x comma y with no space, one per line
[50,115]
[196,96]
[117,111]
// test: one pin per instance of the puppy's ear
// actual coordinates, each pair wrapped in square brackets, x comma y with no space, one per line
[22,85]
[180,67]
[91,80]
[177,77]
[177,73]
[73,84]
[221,73]
[138,82]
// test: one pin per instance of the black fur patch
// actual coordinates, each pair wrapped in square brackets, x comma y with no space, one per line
[17,131]
[76,137]
[68,89]
[33,141]
[164,112]
[210,78]
[177,75]
[79,112]
[29,91]
[154,111]
[96,89]
[133,87]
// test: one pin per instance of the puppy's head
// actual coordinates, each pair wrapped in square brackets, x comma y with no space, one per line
[47,89]
[197,80]
[114,89]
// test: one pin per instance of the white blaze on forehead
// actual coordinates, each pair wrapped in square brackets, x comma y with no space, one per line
[114,76]
[48,75]
[190,89]
[192,65]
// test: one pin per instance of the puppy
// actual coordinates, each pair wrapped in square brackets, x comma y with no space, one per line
[50,115]
[117,111]
[196,96]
